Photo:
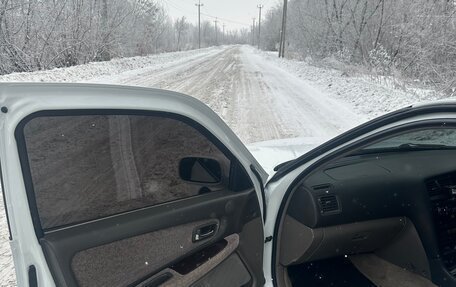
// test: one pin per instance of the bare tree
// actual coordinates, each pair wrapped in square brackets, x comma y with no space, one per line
[180,25]
[414,39]
[44,34]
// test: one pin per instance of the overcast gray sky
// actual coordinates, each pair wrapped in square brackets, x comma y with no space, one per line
[234,13]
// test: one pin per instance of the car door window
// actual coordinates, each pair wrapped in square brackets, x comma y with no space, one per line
[85,167]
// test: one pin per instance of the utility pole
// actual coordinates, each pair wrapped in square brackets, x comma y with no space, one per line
[223,36]
[199,22]
[215,21]
[253,32]
[105,55]
[282,32]
[280,42]
[260,6]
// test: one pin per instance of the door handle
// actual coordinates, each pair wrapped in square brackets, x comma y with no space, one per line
[204,231]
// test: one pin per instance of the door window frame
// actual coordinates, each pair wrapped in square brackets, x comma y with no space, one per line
[25,165]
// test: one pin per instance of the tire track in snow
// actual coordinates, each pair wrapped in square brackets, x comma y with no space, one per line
[258,100]
[306,111]
[222,82]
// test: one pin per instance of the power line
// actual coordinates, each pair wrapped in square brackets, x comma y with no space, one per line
[266,2]
[177,7]
[225,19]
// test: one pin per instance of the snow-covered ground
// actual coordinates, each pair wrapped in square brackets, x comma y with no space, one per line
[368,95]
[110,69]
[261,97]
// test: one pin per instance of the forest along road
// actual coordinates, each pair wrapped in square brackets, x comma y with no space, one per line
[257,99]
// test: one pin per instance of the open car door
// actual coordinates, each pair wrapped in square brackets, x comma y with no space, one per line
[120,186]
[385,189]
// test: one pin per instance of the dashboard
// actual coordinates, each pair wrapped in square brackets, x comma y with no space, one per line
[364,203]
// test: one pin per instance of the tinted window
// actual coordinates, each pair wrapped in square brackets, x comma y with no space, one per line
[87,167]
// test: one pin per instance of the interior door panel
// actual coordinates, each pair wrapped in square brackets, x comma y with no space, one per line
[139,247]
[136,256]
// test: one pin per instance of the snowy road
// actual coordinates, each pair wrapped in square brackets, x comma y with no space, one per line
[259,101]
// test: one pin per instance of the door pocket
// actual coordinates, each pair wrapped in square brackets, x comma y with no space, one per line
[196,266]
[199,258]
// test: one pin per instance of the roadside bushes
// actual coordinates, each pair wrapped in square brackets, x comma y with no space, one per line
[413,38]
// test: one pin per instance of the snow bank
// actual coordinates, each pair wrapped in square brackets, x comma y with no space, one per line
[369,96]
[89,72]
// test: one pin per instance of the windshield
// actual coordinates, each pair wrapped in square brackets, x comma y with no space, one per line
[429,137]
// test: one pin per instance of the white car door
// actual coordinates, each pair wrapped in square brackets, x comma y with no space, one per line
[122,186]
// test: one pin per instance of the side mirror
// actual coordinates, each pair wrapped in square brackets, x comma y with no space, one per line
[200,170]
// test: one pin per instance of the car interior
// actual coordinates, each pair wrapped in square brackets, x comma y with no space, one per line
[378,215]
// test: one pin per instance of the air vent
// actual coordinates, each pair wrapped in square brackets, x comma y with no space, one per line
[328,204]
[442,193]
[321,187]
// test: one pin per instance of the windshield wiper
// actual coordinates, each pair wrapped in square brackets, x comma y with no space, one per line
[400,148]
[404,147]
[414,146]
[280,165]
